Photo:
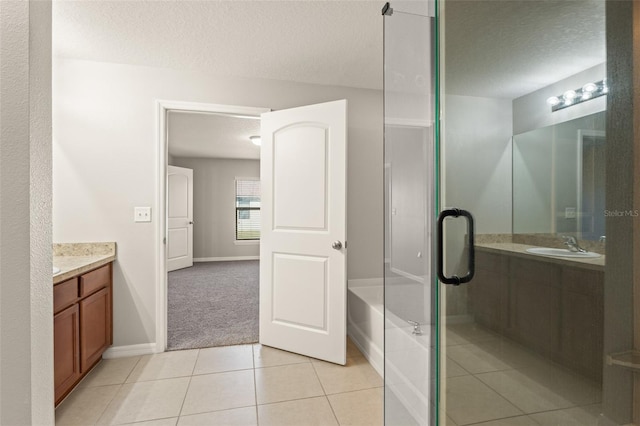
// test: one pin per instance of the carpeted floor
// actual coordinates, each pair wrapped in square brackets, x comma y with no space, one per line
[213,304]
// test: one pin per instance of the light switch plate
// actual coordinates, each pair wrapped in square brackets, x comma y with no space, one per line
[142,214]
[570,213]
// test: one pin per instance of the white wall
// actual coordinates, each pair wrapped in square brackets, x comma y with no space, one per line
[477,148]
[477,177]
[214,205]
[26,297]
[105,159]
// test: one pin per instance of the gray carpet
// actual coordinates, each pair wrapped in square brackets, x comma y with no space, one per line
[213,304]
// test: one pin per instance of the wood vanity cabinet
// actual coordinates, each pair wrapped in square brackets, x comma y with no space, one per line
[82,326]
[489,301]
[556,310]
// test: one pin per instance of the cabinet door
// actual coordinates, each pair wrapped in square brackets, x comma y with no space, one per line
[95,327]
[582,321]
[489,292]
[66,350]
[536,308]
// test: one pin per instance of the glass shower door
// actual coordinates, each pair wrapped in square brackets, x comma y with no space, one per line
[410,332]
[534,329]
[505,310]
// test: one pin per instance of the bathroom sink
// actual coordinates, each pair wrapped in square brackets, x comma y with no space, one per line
[56,270]
[546,251]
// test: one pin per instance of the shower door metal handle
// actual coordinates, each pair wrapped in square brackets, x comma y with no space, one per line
[454,279]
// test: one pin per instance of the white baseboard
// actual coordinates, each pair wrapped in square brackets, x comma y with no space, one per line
[371,352]
[224,259]
[130,350]
[365,282]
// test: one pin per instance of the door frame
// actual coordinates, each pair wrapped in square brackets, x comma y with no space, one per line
[162,109]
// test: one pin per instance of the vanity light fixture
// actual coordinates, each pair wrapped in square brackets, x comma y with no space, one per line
[573,97]
[257,140]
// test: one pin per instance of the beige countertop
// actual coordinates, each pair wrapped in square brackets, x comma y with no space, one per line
[77,258]
[519,250]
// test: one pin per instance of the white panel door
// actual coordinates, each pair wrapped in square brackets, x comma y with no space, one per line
[179,218]
[303,283]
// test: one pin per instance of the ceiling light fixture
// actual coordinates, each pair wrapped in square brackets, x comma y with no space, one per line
[257,140]
[573,97]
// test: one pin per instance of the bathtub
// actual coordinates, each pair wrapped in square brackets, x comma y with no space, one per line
[408,372]
[365,324]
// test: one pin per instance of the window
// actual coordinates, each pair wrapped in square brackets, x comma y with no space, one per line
[247,209]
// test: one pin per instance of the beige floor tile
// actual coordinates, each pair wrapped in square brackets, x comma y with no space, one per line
[224,358]
[356,375]
[476,359]
[512,354]
[541,390]
[236,417]
[578,416]
[307,412]
[287,382]
[172,421]
[471,401]
[84,406]
[136,402]
[110,372]
[464,333]
[449,422]
[363,408]
[220,391]
[577,389]
[264,356]
[164,366]
[511,421]
[453,369]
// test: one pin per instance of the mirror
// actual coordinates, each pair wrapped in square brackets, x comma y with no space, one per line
[559,179]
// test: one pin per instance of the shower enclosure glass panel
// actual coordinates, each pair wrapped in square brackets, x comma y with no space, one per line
[409,208]
[530,339]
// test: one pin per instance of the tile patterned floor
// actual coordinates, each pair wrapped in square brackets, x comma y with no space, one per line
[233,385]
[492,381]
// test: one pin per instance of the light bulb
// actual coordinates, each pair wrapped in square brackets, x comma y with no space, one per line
[586,95]
[589,87]
[569,95]
[553,101]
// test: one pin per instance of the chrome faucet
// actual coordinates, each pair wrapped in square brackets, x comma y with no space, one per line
[571,242]
[416,328]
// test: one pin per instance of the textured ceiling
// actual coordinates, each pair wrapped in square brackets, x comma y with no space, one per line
[506,49]
[323,42]
[212,136]
[493,48]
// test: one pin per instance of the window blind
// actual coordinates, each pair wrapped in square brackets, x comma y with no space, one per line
[247,210]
